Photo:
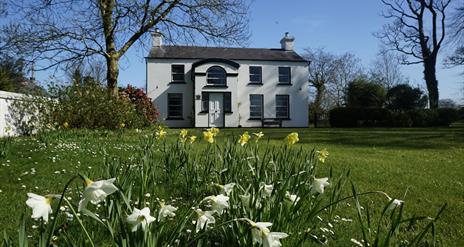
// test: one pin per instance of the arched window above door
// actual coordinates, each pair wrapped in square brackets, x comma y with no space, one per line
[216,75]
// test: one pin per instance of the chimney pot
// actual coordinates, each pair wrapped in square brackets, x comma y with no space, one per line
[287,42]
[157,38]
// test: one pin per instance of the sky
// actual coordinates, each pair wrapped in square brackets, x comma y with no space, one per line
[338,26]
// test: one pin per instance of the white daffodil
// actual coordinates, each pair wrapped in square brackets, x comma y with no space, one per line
[261,234]
[166,211]
[205,218]
[140,218]
[218,203]
[267,189]
[395,203]
[226,189]
[291,197]
[97,191]
[40,206]
[319,184]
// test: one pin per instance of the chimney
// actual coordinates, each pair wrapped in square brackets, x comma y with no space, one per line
[157,37]
[287,42]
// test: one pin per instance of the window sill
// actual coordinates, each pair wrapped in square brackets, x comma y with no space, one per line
[203,112]
[255,83]
[177,82]
[255,119]
[228,112]
[215,86]
[285,118]
[174,118]
[284,84]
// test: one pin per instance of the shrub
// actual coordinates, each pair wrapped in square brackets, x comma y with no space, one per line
[404,97]
[143,104]
[363,93]
[446,116]
[359,117]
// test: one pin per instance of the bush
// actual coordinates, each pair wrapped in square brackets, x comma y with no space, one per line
[143,104]
[90,106]
[404,97]
[363,93]
[359,117]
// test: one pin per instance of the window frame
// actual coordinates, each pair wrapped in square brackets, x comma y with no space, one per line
[282,69]
[227,102]
[279,106]
[260,74]
[181,107]
[208,79]
[261,96]
[176,73]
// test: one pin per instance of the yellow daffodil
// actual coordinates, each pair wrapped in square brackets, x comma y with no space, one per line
[65,125]
[258,135]
[40,206]
[140,218]
[322,155]
[97,191]
[213,130]
[160,133]
[208,136]
[192,139]
[122,125]
[292,138]
[183,133]
[244,138]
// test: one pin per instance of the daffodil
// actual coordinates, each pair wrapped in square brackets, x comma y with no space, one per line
[40,206]
[258,135]
[122,125]
[226,189]
[166,211]
[261,234]
[267,189]
[213,130]
[244,138]
[205,218]
[395,203]
[65,125]
[208,136]
[140,218]
[218,203]
[192,139]
[160,133]
[319,184]
[292,138]
[183,133]
[291,197]
[322,155]
[97,191]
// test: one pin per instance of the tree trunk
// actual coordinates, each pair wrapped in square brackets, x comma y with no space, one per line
[112,73]
[320,90]
[431,81]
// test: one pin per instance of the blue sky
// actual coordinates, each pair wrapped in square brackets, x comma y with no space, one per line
[339,26]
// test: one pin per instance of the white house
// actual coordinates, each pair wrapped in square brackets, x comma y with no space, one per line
[228,87]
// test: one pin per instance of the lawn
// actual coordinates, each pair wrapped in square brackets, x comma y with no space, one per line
[423,167]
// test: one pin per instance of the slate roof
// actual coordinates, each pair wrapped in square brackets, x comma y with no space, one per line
[197,52]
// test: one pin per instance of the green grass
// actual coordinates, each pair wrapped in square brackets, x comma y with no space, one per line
[423,167]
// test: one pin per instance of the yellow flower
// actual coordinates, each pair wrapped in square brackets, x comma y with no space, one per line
[65,125]
[122,125]
[192,139]
[322,155]
[244,138]
[292,138]
[258,135]
[208,136]
[214,131]
[183,133]
[160,133]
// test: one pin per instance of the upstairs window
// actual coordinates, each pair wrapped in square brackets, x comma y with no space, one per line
[175,105]
[178,73]
[256,75]
[216,76]
[282,106]
[284,75]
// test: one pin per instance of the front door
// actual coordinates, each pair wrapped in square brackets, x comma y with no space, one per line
[216,116]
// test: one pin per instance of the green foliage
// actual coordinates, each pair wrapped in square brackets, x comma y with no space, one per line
[358,117]
[12,78]
[404,97]
[365,94]
[143,105]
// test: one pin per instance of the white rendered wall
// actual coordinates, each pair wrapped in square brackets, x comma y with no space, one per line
[159,76]
[7,128]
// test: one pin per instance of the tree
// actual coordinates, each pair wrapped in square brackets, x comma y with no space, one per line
[347,68]
[457,28]
[70,32]
[13,78]
[386,69]
[365,94]
[447,103]
[417,31]
[321,73]
[404,97]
